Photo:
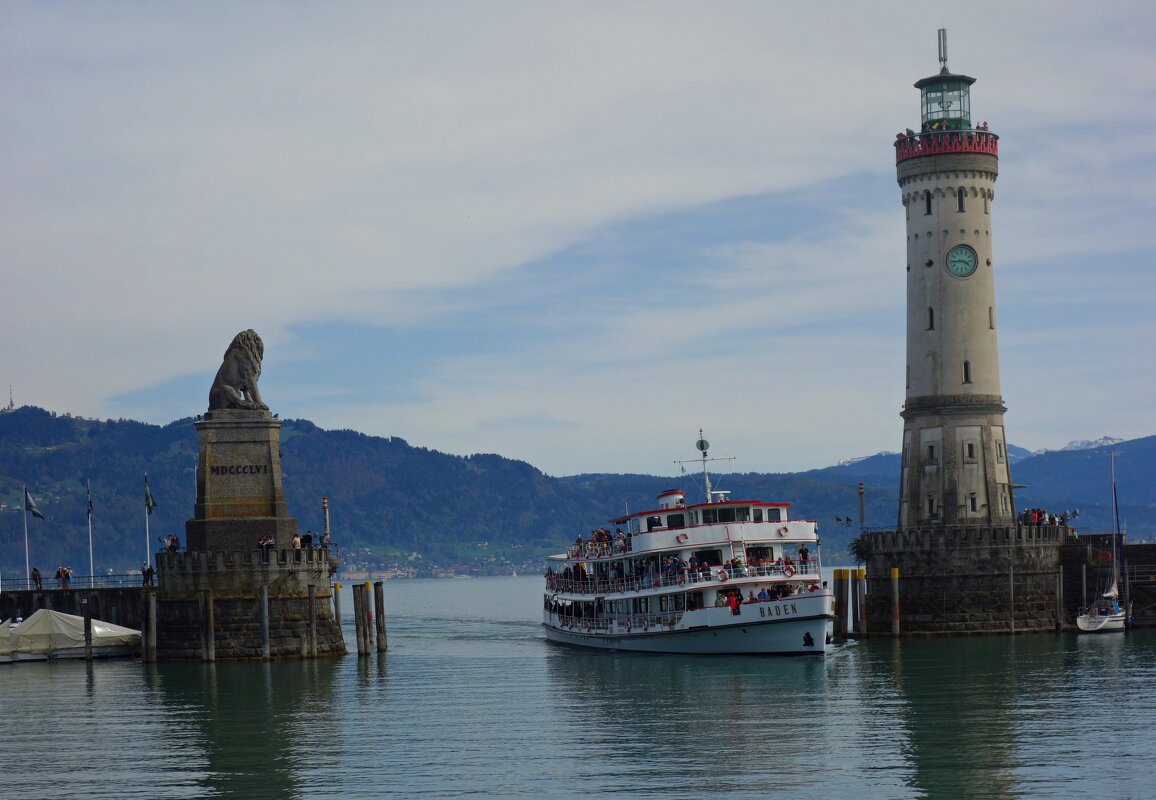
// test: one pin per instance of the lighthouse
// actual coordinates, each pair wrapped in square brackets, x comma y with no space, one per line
[956,562]
[955,469]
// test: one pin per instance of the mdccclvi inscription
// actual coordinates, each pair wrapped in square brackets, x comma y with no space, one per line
[240,469]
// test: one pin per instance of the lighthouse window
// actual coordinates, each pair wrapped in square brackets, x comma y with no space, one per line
[927,202]
[969,452]
[986,209]
[959,198]
[973,502]
[967,372]
[990,318]
[999,451]
[930,454]
[930,318]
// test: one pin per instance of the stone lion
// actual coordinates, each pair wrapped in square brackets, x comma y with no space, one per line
[236,383]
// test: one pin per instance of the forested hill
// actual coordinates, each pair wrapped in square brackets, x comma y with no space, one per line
[396,504]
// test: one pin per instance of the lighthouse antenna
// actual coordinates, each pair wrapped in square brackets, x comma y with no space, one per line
[943,49]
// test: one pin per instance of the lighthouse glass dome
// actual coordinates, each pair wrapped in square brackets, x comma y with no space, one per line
[946,99]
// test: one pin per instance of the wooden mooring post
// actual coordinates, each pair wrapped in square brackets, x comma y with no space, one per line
[379,607]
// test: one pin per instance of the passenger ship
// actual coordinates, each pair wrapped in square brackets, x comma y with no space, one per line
[721,576]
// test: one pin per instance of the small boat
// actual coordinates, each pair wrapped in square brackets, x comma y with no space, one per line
[48,635]
[718,577]
[1105,615]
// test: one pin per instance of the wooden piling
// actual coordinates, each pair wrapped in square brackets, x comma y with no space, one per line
[854,591]
[209,630]
[87,626]
[312,621]
[379,607]
[359,619]
[861,597]
[895,601]
[263,612]
[840,604]
[151,625]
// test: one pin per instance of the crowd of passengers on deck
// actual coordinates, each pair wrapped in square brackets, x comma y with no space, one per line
[674,571]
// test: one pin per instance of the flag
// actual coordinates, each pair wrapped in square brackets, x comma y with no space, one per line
[30,505]
[149,501]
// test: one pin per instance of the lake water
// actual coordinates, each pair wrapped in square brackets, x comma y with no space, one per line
[470,700]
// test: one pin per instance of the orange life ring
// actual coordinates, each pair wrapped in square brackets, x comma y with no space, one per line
[682,537]
[789,571]
[781,531]
[722,575]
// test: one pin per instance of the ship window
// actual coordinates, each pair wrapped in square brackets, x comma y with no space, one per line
[635,525]
[758,515]
[709,516]
[774,515]
[726,515]
[694,518]
[927,202]
[743,514]
[653,522]
[675,521]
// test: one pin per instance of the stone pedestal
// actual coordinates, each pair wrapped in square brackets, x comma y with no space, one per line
[224,598]
[239,491]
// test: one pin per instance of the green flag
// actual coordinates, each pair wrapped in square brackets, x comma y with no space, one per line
[150,503]
[30,505]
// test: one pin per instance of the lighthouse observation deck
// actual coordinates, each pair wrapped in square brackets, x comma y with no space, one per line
[938,143]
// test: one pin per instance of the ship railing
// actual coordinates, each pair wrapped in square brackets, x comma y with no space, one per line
[617,623]
[680,579]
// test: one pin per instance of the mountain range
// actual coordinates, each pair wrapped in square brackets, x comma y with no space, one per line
[396,505]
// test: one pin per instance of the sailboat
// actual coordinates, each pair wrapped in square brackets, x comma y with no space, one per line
[1106,615]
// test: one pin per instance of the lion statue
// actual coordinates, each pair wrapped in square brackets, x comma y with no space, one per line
[236,383]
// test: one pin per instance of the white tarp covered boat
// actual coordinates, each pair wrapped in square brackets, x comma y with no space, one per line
[48,634]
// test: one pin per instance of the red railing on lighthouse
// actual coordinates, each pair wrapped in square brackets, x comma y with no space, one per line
[936,143]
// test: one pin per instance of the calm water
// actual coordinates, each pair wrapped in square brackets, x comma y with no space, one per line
[471,701]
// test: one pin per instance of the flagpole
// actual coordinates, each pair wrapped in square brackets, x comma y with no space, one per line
[27,566]
[91,569]
[148,550]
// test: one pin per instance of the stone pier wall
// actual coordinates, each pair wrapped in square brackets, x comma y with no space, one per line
[232,582]
[964,579]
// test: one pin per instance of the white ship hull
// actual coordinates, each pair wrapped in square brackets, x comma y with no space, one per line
[796,626]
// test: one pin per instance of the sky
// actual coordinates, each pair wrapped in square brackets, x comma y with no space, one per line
[568,233]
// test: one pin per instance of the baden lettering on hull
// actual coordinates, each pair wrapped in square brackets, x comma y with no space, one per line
[240,469]
[778,610]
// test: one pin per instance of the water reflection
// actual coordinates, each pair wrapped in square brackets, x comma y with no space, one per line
[250,729]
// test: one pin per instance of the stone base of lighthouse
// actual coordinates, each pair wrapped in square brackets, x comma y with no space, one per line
[964,579]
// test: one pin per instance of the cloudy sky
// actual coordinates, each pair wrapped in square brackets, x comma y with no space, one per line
[571,234]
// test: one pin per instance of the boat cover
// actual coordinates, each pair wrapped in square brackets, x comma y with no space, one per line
[47,631]
[5,638]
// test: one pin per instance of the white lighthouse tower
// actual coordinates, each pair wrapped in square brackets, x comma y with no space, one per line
[955,464]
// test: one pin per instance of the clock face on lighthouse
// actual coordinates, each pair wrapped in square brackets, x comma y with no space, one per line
[961,261]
